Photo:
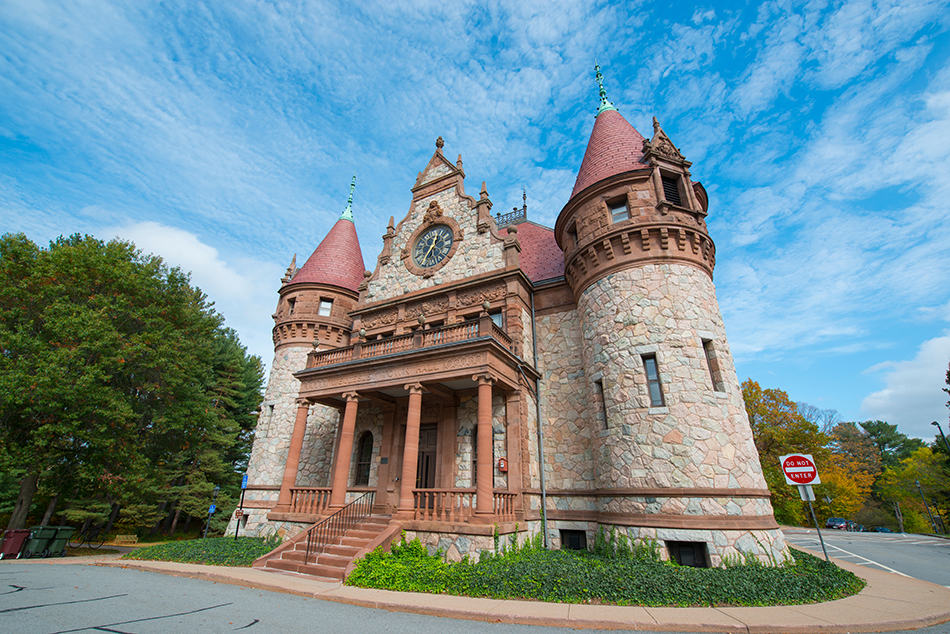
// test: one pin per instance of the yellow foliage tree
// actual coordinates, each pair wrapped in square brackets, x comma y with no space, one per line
[845,483]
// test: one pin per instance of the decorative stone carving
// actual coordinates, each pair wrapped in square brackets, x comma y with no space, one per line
[479,295]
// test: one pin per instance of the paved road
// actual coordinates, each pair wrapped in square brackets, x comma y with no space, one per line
[918,556]
[61,598]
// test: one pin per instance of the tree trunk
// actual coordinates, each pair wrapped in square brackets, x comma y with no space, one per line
[23,501]
[175,521]
[158,524]
[50,509]
[169,517]
[113,516]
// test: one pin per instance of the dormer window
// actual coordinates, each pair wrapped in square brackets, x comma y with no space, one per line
[326,305]
[671,189]
[618,211]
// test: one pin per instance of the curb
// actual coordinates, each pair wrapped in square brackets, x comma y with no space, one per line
[888,602]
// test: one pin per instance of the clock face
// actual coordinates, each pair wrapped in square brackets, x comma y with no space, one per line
[432,246]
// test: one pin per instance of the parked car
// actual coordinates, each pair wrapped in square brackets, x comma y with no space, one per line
[881,529]
[837,523]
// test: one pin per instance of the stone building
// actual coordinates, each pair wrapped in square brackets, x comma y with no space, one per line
[492,374]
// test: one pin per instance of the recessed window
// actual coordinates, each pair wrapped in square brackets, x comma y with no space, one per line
[326,305]
[653,380]
[572,236]
[291,304]
[573,539]
[671,190]
[499,318]
[599,390]
[715,374]
[693,554]
[364,457]
[618,211]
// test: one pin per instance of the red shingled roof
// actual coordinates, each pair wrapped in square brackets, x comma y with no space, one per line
[614,147]
[541,258]
[337,260]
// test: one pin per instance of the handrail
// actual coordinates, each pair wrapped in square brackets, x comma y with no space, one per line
[335,526]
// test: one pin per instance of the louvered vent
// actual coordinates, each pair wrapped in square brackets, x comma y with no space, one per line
[671,190]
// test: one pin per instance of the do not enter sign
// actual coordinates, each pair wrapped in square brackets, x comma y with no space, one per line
[799,469]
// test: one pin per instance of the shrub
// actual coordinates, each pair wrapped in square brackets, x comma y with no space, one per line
[621,575]
[216,551]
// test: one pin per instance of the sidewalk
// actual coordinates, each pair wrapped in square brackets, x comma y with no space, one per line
[888,602]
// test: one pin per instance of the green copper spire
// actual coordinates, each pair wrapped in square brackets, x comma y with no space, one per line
[604,102]
[348,210]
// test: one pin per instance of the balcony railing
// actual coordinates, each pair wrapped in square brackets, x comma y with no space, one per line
[444,505]
[458,505]
[463,331]
[309,500]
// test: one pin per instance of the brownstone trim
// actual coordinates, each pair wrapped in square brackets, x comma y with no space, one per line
[442,289]
[662,520]
[263,487]
[259,504]
[671,492]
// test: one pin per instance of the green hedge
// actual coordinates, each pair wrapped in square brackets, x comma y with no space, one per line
[629,578]
[216,551]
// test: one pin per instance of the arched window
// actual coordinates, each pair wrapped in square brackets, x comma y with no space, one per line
[364,456]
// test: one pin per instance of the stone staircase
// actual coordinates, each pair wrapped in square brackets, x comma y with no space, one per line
[331,562]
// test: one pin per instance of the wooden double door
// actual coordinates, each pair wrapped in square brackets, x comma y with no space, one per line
[428,456]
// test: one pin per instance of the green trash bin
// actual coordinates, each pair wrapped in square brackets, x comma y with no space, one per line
[39,541]
[57,546]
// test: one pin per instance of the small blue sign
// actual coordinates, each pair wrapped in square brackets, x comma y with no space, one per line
[212,508]
[244,482]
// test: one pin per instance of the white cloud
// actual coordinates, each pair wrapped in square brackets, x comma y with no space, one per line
[913,396]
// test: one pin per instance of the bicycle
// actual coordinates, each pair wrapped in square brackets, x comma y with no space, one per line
[92,536]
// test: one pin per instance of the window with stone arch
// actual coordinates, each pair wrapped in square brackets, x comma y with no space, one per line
[364,457]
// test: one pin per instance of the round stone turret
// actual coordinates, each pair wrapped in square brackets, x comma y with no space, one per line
[675,455]
[633,202]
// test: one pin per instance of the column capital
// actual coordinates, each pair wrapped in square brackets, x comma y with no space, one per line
[483,378]
[413,388]
[302,402]
[350,396]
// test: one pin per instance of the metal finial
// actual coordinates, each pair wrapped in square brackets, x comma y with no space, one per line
[604,102]
[348,210]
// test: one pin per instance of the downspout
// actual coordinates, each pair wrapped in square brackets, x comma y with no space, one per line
[537,407]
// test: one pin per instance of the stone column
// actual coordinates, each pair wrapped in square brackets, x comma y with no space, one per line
[293,458]
[484,496]
[410,453]
[344,453]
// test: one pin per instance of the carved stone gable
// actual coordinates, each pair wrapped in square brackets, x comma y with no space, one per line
[662,147]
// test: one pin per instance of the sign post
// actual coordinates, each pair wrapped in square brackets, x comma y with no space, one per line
[211,509]
[800,471]
[240,512]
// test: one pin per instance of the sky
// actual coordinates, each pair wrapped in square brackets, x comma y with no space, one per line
[223,136]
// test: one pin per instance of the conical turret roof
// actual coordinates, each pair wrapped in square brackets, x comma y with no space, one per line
[614,147]
[337,261]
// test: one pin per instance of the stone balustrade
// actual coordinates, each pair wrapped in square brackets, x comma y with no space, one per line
[454,333]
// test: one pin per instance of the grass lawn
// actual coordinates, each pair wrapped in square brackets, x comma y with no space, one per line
[628,577]
[216,551]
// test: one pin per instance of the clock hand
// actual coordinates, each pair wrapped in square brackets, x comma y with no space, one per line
[426,257]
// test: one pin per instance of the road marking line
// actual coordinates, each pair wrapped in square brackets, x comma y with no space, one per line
[870,561]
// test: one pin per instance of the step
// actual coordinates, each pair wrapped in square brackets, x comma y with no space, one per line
[322,558]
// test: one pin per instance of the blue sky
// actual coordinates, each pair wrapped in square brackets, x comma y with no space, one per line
[222,136]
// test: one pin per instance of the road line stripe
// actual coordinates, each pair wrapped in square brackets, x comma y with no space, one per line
[871,561]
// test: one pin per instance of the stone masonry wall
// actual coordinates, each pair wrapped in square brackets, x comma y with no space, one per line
[276,421]
[316,454]
[700,437]
[476,252]
[565,403]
